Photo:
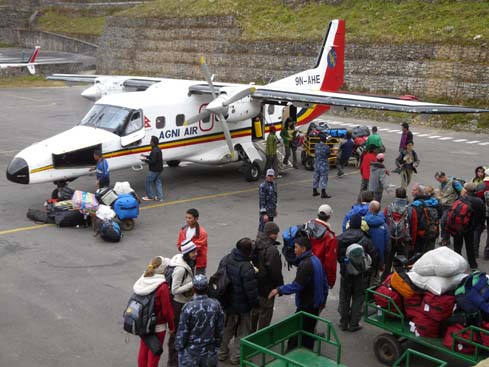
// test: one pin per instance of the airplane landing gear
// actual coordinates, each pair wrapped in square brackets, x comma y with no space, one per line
[173,163]
[251,171]
[60,185]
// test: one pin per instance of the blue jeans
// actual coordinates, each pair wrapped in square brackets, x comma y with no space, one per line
[154,178]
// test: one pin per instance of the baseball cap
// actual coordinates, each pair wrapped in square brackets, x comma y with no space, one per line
[200,282]
[325,209]
[380,156]
[270,172]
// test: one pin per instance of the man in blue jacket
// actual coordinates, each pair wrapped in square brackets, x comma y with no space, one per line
[362,208]
[377,230]
[310,287]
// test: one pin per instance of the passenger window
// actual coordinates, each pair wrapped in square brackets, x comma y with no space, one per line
[180,119]
[160,122]
[135,123]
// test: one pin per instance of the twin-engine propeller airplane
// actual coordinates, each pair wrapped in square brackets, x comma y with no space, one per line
[208,123]
[29,64]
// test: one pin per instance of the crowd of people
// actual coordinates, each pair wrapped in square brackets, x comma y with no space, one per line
[204,330]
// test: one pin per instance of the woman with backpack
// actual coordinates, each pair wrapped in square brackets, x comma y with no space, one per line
[153,280]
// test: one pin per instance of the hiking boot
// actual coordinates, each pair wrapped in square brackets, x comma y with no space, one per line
[315,192]
[354,328]
[342,327]
[324,195]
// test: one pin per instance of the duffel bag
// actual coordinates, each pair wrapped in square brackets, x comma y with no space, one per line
[401,283]
[473,294]
[70,218]
[413,306]
[106,196]
[39,216]
[386,289]
[425,326]
[65,193]
[460,346]
[84,200]
[126,207]
[438,308]
[110,231]
[484,336]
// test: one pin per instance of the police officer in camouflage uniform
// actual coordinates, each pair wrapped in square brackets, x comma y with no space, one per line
[268,200]
[321,167]
[200,329]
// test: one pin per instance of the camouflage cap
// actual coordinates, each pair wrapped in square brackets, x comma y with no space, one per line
[200,282]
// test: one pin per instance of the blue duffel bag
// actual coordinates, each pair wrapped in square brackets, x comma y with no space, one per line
[337,133]
[126,207]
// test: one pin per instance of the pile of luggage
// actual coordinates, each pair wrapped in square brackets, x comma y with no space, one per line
[439,298]
[105,210]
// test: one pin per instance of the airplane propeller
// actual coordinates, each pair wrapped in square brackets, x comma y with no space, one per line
[219,106]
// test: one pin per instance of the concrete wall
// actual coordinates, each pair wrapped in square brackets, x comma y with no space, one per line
[54,42]
[10,20]
[171,48]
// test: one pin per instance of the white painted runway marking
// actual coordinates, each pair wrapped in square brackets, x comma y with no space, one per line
[487,143]
[473,142]
[383,129]
[434,137]
[393,131]
[423,135]
[446,138]
[460,140]
[415,133]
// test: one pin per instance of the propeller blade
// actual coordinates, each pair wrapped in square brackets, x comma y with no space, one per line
[207,75]
[227,135]
[241,94]
[201,116]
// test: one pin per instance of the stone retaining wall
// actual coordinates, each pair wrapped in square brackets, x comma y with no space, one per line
[171,48]
[54,42]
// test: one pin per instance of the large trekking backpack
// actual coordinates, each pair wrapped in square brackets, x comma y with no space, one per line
[430,220]
[358,261]
[458,217]
[219,283]
[140,316]
[110,231]
[289,236]
[398,217]
[169,277]
[71,218]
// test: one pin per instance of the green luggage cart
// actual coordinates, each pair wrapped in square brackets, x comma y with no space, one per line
[268,346]
[387,347]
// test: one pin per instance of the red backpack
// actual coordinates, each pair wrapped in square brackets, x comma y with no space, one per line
[458,217]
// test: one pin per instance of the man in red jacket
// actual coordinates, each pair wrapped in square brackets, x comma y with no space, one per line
[370,156]
[323,242]
[193,231]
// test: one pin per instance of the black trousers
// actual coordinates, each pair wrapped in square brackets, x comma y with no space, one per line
[309,324]
[172,352]
[468,238]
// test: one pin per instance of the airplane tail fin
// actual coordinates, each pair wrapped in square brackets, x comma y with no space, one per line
[34,55]
[328,73]
[31,68]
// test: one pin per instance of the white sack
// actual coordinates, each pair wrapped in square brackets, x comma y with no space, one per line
[435,284]
[105,212]
[442,261]
[123,188]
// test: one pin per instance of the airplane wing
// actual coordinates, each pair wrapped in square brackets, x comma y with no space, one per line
[129,81]
[281,96]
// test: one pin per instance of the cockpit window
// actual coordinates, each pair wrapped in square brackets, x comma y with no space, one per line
[135,123]
[110,118]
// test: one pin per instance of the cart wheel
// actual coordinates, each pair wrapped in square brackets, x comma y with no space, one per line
[309,164]
[127,224]
[387,349]
[303,157]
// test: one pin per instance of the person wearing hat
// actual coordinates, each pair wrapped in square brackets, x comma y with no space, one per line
[310,287]
[407,162]
[450,190]
[323,242]
[477,217]
[376,182]
[375,139]
[269,276]
[268,199]
[155,166]
[200,329]
[321,167]
[406,136]
[271,150]
[483,193]
[353,284]
[153,280]
[243,297]
[181,288]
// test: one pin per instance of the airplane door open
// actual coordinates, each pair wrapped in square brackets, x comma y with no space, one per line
[134,130]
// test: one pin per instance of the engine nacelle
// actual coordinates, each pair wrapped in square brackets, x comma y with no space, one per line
[243,109]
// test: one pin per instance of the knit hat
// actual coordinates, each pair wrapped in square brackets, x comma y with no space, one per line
[200,282]
[270,228]
[356,221]
[325,209]
[270,172]
[187,247]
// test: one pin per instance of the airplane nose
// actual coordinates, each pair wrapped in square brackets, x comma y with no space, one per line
[92,93]
[18,171]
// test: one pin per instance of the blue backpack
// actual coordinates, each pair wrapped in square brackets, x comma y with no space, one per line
[289,236]
[126,207]
[110,231]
